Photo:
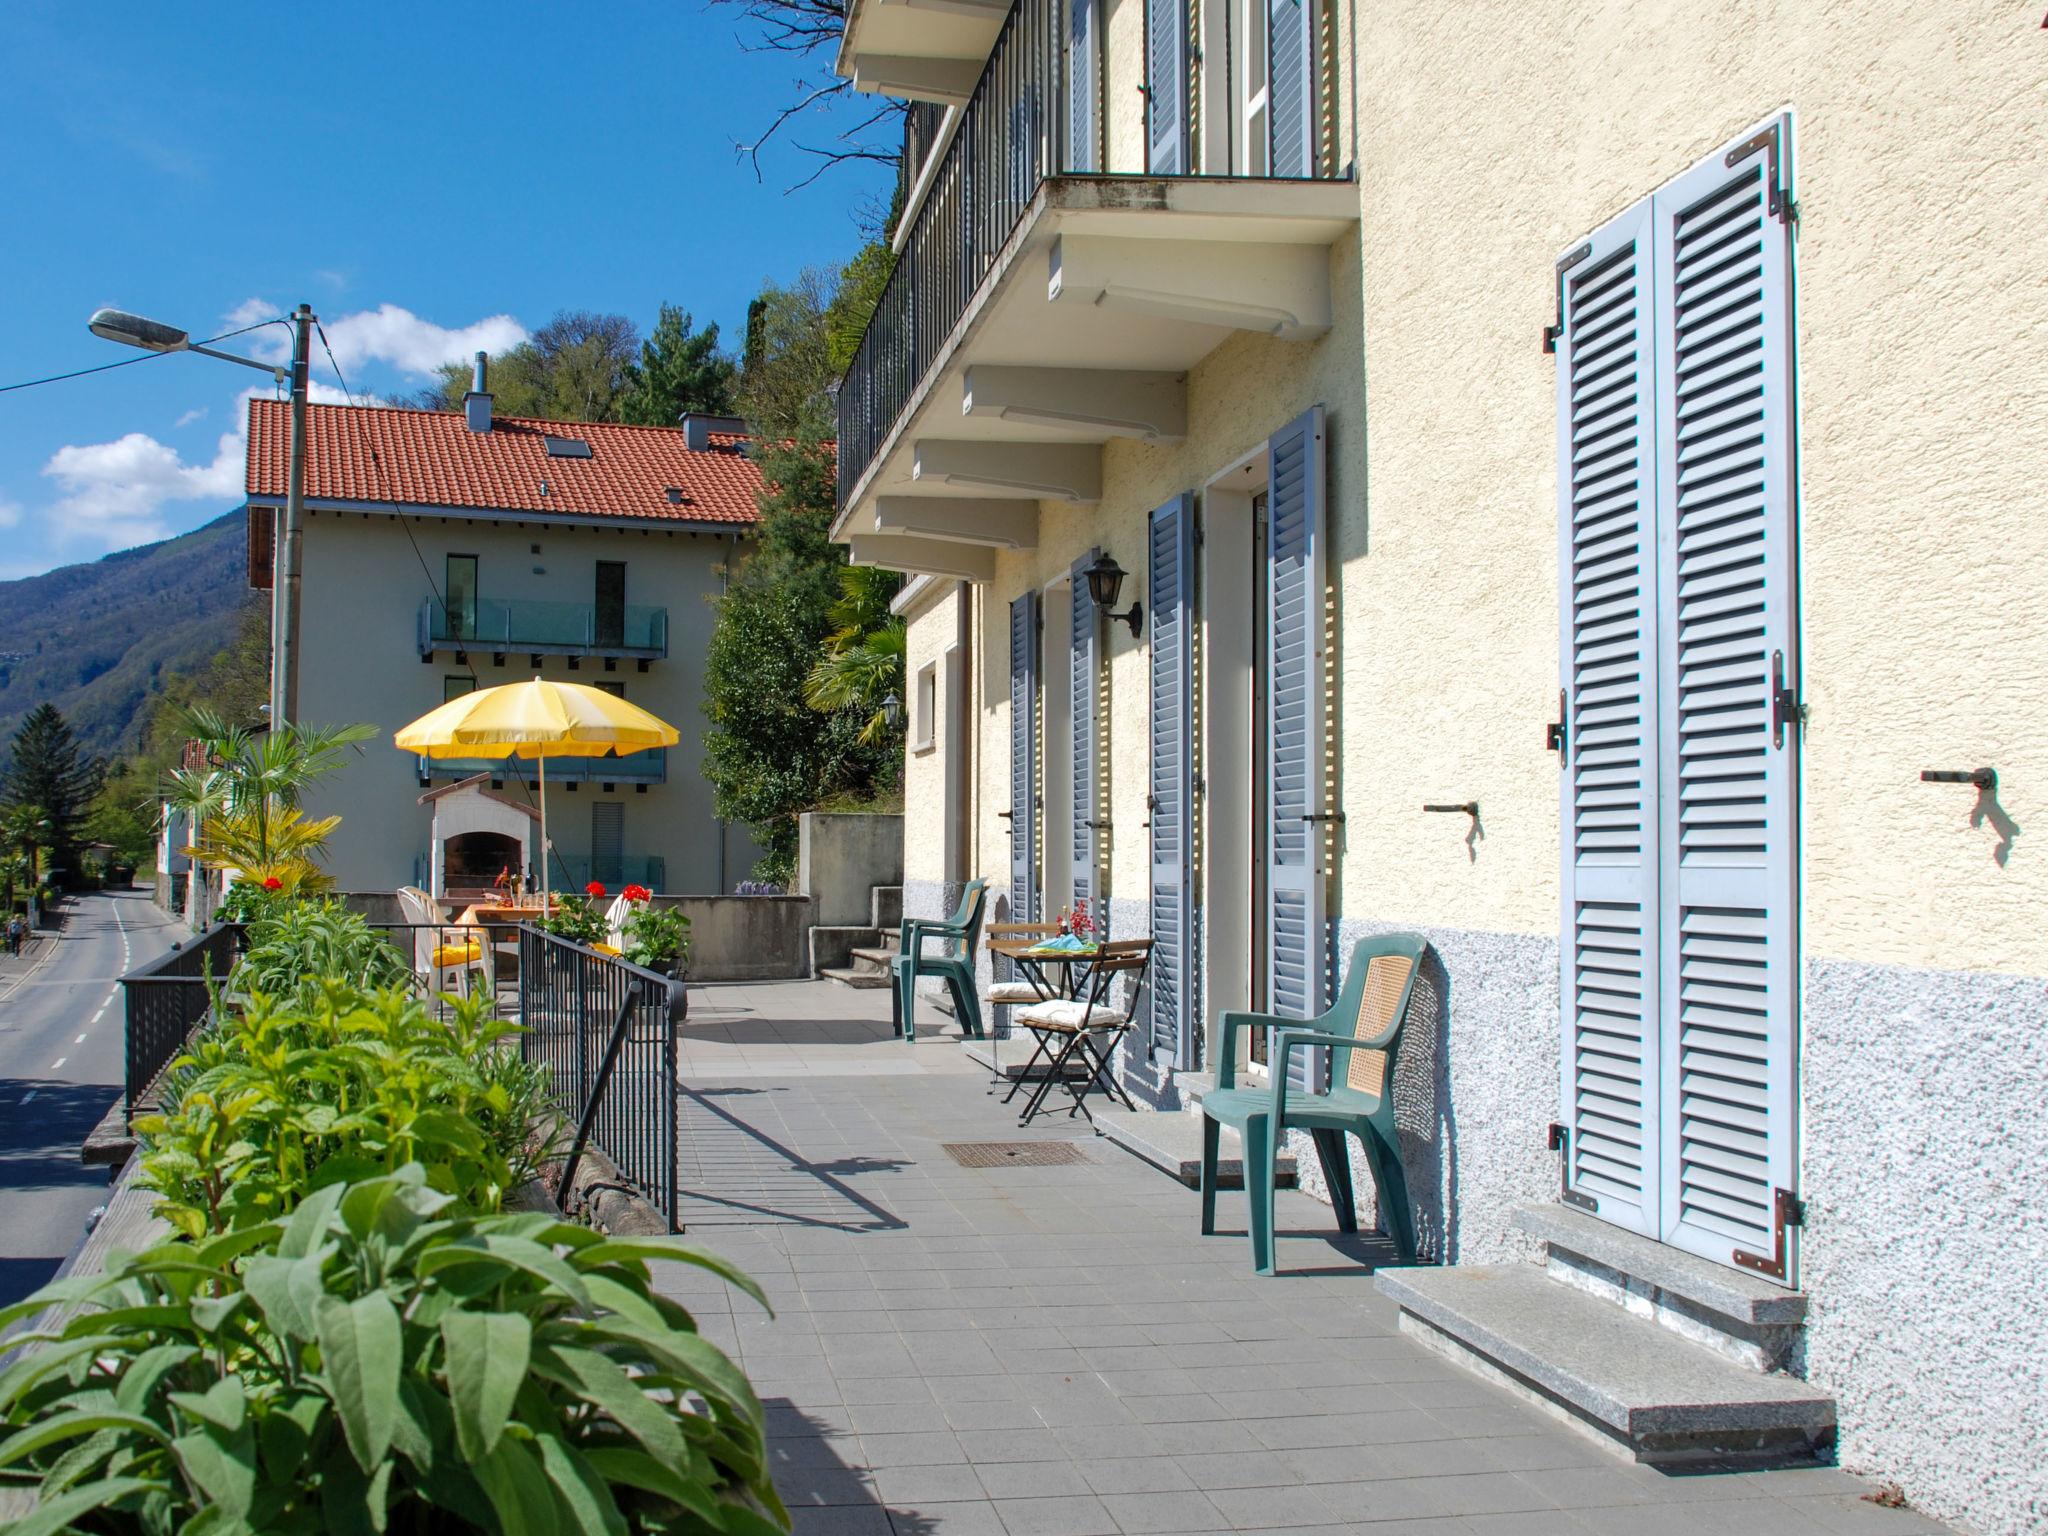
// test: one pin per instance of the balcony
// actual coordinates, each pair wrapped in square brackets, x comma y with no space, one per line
[574,871]
[540,628]
[640,768]
[1043,305]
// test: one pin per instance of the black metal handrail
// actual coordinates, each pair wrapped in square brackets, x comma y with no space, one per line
[1018,129]
[166,1000]
[607,1032]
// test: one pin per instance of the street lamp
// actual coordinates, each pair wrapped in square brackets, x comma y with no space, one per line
[155,336]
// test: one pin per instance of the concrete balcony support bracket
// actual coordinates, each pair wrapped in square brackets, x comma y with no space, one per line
[965,519]
[1277,289]
[923,557]
[947,81]
[1099,402]
[1052,471]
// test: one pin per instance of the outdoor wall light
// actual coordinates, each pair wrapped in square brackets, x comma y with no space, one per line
[1105,584]
[892,710]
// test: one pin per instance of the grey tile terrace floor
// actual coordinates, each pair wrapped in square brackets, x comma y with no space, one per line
[1056,1351]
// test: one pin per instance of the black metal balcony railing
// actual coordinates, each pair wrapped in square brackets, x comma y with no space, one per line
[1017,130]
[921,123]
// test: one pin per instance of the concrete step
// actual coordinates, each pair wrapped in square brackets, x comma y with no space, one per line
[1007,1058]
[1741,1316]
[886,905]
[1171,1141]
[874,957]
[864,981]
[833,945]
[1638,1386]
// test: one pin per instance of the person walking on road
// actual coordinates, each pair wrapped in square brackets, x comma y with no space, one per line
[17,931]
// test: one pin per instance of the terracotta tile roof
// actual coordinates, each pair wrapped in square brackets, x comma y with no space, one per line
[432,459]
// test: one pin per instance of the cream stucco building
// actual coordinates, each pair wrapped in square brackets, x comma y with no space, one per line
[446,552]
[1579,466]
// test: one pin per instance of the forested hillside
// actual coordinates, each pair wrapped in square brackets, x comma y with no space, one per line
[98,640]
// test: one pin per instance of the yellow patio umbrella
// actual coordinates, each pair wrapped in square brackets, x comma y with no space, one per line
[539,720]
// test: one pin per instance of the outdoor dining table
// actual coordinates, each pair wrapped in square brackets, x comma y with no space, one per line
[1035,959]
[1032,958]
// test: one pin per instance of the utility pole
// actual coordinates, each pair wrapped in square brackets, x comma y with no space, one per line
[284,578]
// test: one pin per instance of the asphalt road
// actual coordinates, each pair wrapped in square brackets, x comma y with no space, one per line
[61,1054]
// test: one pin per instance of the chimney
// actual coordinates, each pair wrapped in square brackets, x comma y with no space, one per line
[476,405]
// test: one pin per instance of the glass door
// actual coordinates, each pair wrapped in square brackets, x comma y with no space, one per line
[611,604]
[461,591]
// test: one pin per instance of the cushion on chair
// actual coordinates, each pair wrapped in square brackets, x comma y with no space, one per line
[606,949]
[469,952]
[1015,992]
[1070,1013]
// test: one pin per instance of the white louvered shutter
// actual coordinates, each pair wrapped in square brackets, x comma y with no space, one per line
[1083,677]
[1169,612]
[1297,947]
[1291,86]
[1608,638]
[1024,759]
[1725,578]
[1083,71]
[1166,87]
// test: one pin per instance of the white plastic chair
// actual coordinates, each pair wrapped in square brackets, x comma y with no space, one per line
[439,966]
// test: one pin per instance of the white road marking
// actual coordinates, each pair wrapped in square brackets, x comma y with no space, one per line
[58,1062]
[100,1015]
[79,1041]
[30,1094]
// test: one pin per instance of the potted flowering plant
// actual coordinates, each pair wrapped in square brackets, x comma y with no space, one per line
[577,918]
[1075,921]
[657,938]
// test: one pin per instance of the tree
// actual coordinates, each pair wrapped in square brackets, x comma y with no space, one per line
[770,752]
[50,773]
[574,368]
[804,29]
[246,800]
[863,661]
[681,369]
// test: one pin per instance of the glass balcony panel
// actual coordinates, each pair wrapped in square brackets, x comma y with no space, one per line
[649,767]
[491,623]
[615,874]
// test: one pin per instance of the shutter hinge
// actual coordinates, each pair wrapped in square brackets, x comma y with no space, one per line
[1199,784]
[1552,332]
[1561,1143]
[1786,708]
[1787,1210]
[1554,734]
[1779,202]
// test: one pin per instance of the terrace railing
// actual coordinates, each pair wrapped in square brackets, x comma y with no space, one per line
[1030,117]
[606,1031]
[166,1000]
[501,624]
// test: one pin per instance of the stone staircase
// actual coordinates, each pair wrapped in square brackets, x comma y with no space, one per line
[1171,1139]
[1669,1358]
[859,956]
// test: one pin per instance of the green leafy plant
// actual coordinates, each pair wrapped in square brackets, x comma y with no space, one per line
[382,1361]
[284,1098]
[658,938]
[575,918]
[294,944]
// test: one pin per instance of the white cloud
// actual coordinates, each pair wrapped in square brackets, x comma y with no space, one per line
[388,334]
[114,493]
[197,413]
[10,513]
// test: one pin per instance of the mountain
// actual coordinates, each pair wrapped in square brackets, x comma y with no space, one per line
[96,639]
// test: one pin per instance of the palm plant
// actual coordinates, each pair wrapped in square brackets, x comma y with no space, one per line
[246,800]
[863,660]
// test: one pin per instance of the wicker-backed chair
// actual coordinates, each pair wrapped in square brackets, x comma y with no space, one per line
[1362,1031]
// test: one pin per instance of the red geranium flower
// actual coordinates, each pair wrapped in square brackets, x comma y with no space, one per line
[272,883]
[594,889]
[638,893]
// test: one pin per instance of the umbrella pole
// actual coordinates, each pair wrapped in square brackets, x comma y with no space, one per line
[543,762]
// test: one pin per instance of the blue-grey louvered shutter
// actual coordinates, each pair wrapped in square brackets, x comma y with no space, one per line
[1169,614]
[1728,760]
[1024,759]
[1607,543]
[1082,680]
[1166,87]
[1291,86]
[1084,48]
[1297,947]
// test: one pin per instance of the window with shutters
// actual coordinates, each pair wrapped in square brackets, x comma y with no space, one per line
[924,709]
[1678,609]
[1169,801]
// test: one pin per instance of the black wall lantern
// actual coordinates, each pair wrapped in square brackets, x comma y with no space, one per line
[892,710]
[1105,583]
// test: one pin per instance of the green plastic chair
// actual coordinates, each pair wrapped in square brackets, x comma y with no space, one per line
[1362,1031]
[954,965]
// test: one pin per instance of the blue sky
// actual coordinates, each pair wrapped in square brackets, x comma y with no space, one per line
[430,178]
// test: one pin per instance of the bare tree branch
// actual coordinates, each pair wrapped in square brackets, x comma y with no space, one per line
[803,28]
